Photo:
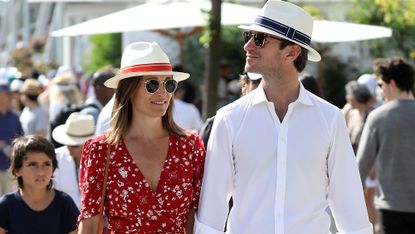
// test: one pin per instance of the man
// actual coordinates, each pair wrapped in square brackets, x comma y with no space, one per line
[72,135]
[102,94]
[281,153]
[34,119]
[10,128]
[388,143]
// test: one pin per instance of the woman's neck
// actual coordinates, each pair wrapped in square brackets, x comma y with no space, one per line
[149,128]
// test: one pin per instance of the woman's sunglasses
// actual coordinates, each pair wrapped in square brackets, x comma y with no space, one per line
[259,38]
[153,85]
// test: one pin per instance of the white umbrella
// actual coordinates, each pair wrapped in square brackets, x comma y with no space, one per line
[334,31]
[184,14]
[159,16]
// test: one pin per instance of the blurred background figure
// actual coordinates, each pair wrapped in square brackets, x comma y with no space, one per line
[387,142]
[101,94]
[15,86]
[370,81]
[311,84]
[248,82]
[34,119]
[359,98]
[63,92]
[72,135]
[10,127]
[186,115]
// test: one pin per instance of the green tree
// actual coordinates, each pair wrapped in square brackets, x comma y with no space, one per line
[106,50]
[396,14]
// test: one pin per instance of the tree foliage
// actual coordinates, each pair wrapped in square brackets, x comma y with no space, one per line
[396,14]
[106,50]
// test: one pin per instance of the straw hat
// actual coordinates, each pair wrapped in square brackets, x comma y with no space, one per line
[31,87]
[77,129]
[144,58]
[288,21]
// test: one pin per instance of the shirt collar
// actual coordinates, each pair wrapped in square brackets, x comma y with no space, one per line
[303,97]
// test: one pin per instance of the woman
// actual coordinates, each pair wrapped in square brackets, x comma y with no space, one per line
[155,167]
[36,207]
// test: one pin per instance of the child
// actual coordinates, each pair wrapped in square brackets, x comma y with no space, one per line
[36,207]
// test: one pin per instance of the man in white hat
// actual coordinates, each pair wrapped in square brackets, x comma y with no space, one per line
[76,130]
[281,153]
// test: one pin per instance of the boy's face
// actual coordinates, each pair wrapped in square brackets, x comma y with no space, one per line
[36,171]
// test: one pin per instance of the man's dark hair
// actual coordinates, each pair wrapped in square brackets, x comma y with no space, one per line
[302,58]
[398,70]
[25,144]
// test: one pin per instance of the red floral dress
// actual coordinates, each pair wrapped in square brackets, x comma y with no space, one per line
[130,204]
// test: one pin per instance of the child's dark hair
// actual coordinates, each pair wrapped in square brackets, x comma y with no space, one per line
[25,144]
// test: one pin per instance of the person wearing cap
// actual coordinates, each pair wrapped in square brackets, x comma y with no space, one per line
[34,119]
[387,142]
[77,129]
[281,153]
[155,167]
[10,128]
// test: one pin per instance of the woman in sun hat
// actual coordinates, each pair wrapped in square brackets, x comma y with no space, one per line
[155,167]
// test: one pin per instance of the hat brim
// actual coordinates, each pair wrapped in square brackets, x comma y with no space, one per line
[60,136]
[113,82]
[313,55]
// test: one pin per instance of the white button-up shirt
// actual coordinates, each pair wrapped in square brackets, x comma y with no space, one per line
[282,175]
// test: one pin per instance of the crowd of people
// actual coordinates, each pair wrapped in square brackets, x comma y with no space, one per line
[125,151]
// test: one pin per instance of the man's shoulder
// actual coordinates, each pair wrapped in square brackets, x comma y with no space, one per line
[237,106]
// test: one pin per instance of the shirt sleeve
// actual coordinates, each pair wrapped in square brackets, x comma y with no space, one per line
[345,196]
[199,153]
[91,177]
[368,146]
[71,213]
[217,180]
[4,213]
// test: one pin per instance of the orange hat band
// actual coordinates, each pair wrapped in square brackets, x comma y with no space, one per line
[151,67]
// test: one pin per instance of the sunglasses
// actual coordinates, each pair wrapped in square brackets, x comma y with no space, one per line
[259,38]
[153,85]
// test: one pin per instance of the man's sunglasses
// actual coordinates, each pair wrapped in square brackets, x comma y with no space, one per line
[153,85]
[259,38]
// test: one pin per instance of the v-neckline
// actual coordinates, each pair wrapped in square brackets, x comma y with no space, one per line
[145,181]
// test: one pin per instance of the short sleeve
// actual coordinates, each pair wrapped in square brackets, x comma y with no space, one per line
[91,176]
[199,154]
[4,213]
[71,213]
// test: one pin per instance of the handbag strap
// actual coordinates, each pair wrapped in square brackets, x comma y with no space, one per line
[104,188]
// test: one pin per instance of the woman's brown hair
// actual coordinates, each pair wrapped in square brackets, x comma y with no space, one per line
[122,112]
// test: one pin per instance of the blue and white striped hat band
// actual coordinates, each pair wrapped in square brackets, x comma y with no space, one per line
[283,29]
[288,21]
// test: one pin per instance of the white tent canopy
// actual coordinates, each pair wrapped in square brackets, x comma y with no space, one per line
[333,31]
[184,14]
[158,16]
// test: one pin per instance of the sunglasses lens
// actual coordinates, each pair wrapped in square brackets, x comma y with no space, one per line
[247,36]
[170,86]
[259,39]
[152,86]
